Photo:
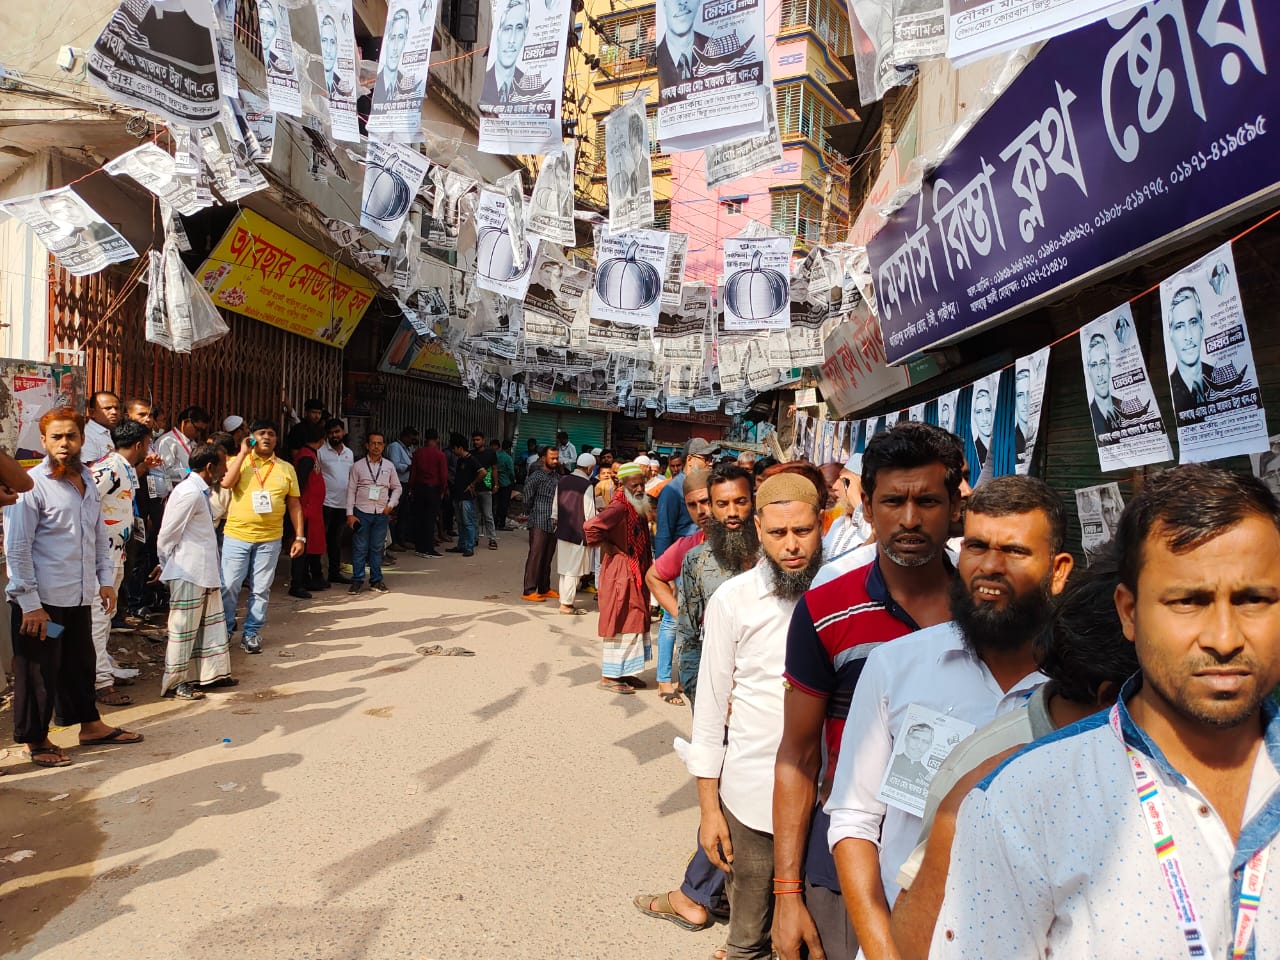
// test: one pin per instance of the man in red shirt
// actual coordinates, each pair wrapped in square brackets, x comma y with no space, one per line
[428,475]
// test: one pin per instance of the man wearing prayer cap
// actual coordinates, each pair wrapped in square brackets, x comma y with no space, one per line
[575,505]
[621,530]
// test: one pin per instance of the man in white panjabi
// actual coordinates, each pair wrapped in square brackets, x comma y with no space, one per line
[574,505]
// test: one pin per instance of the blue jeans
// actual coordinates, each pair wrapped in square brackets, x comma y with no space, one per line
[366,545]
[466,524]
[257,563]
[666,646]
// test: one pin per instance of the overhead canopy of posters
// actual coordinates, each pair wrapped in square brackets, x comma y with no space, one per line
[711,72]
[152,167]
[284,85]
[854,374]
[1029,376]
[1127,425]
[392,175]
[980,28]
[1217,405]
[524,78]
[628,287]
[550,213]
[161,58]
[261,271]
[339,59]
[630,174]
[757,285]
[1019,212]
[396,109]
[71,230]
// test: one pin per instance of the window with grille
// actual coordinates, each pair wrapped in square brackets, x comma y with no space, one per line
[802,111]
[732,207]
[797,214]
[827,18]
[628,38]
[662,214]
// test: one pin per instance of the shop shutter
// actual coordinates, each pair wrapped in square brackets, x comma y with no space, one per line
[538,424]
[586,428]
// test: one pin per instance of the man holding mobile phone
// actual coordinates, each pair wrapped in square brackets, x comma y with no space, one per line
[58,552]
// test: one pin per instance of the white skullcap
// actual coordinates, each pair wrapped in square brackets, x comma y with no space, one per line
[854,464]
[586,460]
[232,424]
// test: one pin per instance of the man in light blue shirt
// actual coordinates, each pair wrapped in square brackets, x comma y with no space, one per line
[58,553]
[400,453]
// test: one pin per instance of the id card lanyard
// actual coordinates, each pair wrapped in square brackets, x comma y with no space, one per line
[262,481]
[1153,812]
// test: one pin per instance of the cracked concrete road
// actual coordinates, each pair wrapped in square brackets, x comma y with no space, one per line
[372,803]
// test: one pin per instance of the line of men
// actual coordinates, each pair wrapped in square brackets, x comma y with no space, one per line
[860,743]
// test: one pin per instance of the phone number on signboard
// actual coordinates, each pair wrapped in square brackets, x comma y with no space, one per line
[1042,272]
[1221,148]
[1135,199]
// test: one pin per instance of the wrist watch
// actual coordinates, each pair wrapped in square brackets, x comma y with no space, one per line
[301,539]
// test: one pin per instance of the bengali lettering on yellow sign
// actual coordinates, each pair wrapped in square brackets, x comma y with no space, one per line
[263,272]
[434,360]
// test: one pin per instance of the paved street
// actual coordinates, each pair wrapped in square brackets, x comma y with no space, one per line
[372,802]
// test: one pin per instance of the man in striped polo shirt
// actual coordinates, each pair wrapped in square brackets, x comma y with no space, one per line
[911,493]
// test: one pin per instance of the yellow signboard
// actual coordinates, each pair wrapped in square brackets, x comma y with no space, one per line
[263,272]
[434,360]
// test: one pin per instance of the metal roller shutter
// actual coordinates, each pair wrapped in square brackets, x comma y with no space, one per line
[586,428]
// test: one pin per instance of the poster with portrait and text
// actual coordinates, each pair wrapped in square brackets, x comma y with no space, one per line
[284,85]
[395,112]
[1029,376]
[524,77]
[340,63]
[628,169]
[982,421]
[78,237]
[550,212]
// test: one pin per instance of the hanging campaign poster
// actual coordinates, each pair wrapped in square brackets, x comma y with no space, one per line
[555,292]
[160,59]
[1029,376]
[673,276]
[1099,509]
[711,72]
[224,23]
[757,286]
[915,413]
[512,187]
[925,736]
[28,390]
[340,60]
[1213,380]
[445,221]
[628,287]
[392,175]
[550,213]
[947,410]
[980,28]
[284,88]
[681,334]
[982,417]
[154,169]
[1127,425]
[726,162]
[629,173]
[396,110]
[919,30]
[71,230]
[524,78]
[1266,465]
[498,270]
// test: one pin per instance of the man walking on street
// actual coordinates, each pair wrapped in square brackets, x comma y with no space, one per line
[488,461]
[58,552]
[262,487]
[506,480]
[116,477]
[372,493]
[621,530]
[467,472]
[575,504]
[198,645]
[104,414]
[539,499]
[429,475]
[336,459]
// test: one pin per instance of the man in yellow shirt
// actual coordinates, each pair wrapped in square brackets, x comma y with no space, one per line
[262,487]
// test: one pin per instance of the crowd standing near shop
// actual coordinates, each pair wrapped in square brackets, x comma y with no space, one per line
[917,729]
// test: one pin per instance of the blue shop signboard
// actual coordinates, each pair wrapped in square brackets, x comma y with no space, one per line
[1112,138]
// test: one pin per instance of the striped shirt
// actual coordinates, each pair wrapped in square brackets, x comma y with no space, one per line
[540,497]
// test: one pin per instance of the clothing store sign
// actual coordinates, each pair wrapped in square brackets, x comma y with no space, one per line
[1112,138]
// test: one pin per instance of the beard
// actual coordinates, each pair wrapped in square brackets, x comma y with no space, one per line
[735,549]
[988,627]
[640,504]
[791,584]
[908,559]
[61,470]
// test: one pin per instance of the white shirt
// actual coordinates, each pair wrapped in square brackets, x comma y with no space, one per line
[847,533]
[935,669]
[335,467]
[174,448]
[187,545]
[744,652]
[97,443]
[1052,856]
[568,453]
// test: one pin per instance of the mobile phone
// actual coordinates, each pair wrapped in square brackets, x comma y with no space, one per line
[253,441]
[53,630]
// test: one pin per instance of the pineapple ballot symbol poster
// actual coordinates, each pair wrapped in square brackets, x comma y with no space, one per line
[629,268]
[1122,408]
[1217,406]
[757,285]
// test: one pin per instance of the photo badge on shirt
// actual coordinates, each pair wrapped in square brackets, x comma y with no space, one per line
[923,741]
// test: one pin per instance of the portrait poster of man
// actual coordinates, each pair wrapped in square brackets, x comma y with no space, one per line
[152,167]
[396,107]
[923,740]
[71,230]
[1127,425]
[1099,509]
[627,166]
[340,62]
[982,419]
[551,303]
[712,82]
[520,101]
[550,213]
[1266,465]
[284,88]
[1213,380]
[224,18]
[1029,376]
[144,47]
[256,123]
[392,175]
[947,410]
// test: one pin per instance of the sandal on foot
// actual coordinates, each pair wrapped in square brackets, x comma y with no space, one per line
[616,686]
[118,735]
[575,612]
[185,691]
[39,756]
[635,683]
[220,682]
[659,906]
[673,698]
[111,697]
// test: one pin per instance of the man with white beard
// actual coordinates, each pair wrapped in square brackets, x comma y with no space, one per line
[621,530]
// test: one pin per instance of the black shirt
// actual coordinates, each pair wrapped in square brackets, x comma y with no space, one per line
[464,476]
[489,460]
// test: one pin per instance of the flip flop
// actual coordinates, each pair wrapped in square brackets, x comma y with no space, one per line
[635,683]
[220,682]
[55,751]
[111,697]
[112,737]
[645,903]
[673,698]
[616,686]
[575,612]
